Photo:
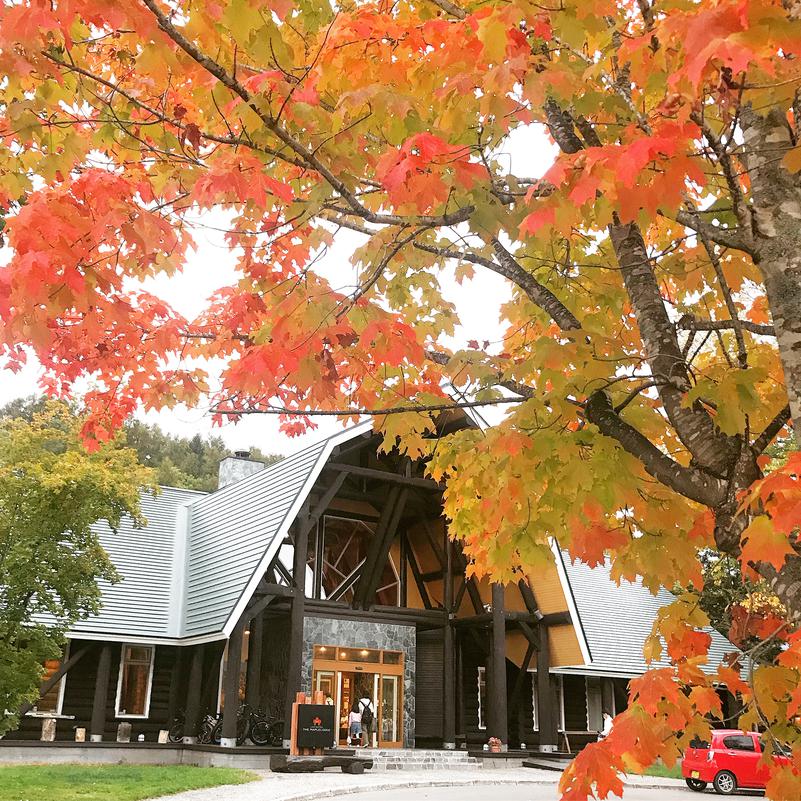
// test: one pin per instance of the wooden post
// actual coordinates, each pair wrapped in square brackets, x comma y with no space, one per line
[498,700]
[176,680]
[233,666]
[404,572]
[194,689]
[255,648]
[98,724]
[297,614]
[546,717]
[460,727]
[448,699]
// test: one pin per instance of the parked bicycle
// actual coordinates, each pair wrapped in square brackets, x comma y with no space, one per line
[255,725]
[206,733]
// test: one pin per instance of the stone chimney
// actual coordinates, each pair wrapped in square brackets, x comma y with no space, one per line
[235,468]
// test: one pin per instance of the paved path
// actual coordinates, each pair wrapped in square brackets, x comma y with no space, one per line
[520,784]
[520,792]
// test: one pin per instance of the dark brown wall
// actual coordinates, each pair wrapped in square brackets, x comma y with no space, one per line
[79,695]
[428,687]
[274,664]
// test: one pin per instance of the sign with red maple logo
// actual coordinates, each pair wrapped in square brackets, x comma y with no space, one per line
[315,726]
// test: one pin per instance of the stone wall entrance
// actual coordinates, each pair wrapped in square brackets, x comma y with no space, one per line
[343,657]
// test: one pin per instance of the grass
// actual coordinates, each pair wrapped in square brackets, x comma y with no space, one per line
[107,782]
[663,772]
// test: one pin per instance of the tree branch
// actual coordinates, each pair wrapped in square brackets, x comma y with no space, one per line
[430,407]
[307,156]
[693,424]
[725,237]
[771,430]
[741,210]
[690,323]
[691,483]
[509,268]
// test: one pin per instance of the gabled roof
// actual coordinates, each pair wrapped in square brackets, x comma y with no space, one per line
[189,573]
[615,620]
[141,604]
[237,531]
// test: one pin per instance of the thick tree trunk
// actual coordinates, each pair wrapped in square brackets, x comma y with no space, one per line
[776,197]
[694,426]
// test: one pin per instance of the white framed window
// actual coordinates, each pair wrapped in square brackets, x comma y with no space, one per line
[482,697]
[52,702]
[135,681]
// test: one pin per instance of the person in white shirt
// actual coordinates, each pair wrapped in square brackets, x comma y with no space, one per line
[607,727]
[367,712]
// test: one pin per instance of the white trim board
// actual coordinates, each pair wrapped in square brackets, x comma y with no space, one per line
[283,530]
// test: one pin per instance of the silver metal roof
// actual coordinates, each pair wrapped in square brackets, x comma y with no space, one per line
[616,620]
[189,573]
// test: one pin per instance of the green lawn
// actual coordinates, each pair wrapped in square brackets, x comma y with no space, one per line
[109,782]
[663,772]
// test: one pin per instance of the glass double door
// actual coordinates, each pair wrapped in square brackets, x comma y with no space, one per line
[343,688]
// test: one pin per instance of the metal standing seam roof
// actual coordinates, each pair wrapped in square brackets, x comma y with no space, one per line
[140,604]
[189,573]
[617,619]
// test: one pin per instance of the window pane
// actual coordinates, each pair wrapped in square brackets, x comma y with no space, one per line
[345,545]
[482,697]
[358,655]
[134,681]
[137,653]
[739,743]
[392,657]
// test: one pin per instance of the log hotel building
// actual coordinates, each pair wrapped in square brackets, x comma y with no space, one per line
[331,570]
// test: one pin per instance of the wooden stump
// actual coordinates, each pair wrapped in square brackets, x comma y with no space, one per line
[48,730]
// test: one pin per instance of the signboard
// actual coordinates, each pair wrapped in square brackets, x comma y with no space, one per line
[315,726]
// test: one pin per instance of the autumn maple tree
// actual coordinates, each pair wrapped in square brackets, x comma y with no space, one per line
[652,341]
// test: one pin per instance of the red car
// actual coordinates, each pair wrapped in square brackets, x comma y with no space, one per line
[733,759]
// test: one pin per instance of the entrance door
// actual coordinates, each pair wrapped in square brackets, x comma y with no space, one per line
[389,732]
[348,674]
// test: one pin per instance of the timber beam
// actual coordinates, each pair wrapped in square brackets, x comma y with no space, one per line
[56,677]
[556,619]
[384,475]
[487,618]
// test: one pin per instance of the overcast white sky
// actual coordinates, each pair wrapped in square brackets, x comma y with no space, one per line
[211,266]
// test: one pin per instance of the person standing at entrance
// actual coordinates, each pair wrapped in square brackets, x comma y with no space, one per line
[367,713]
[354,725]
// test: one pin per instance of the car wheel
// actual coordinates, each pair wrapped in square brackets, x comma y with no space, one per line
[696,784]
[725,782]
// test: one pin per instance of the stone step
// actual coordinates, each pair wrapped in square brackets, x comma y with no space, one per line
[422,759]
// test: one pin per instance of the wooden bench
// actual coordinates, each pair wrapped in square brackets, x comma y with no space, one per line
[281,763]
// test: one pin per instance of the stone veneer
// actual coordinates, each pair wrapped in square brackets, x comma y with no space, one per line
[365,634]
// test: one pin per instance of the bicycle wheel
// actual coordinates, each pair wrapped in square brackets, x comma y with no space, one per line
[176,733]
[260,733]
[216,733]
[276,734]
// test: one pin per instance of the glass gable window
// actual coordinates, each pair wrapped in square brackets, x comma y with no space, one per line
[135,679]
[338,548]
